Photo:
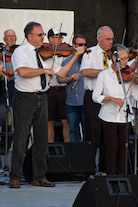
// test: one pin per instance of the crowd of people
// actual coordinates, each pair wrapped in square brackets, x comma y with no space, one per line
[82,89]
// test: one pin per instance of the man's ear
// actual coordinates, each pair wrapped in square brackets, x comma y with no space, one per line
[29,36]
[99,38]
[73,45]
[4,39]
[50,39]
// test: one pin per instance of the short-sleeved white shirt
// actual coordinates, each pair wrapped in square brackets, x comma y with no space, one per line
[25,56]
[107,85]
[93,60]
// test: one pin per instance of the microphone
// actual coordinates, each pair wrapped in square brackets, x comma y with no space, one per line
[115,53]
[2,45]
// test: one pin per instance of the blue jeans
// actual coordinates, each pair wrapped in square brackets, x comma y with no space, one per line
[30,109]
[75,115]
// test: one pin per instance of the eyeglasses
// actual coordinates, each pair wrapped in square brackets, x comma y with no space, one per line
[81,44]
[39,35]
[108,39]
[124,59]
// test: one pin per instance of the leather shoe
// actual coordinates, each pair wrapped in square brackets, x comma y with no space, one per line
[44,183]
[14,184]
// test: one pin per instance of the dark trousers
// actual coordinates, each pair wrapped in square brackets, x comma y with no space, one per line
[3,99]
[115,147]
[30,109]
[93,128]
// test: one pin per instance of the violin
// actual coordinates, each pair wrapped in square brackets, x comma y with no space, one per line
[48,50]
[132,53]
[7,57]
[127,74]
[12,48]
[108,53]
[63,50]
[8,74]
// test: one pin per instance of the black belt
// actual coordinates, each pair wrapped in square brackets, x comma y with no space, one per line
[37,93]
[57,87]
[34,93]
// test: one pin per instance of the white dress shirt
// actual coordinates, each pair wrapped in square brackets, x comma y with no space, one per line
[25,56]
[53,81]
[107,85]
[93,60]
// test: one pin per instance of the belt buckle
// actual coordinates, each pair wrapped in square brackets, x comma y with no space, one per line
[36,93]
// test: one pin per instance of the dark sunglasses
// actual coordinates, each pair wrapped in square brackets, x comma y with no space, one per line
[81,44]
[39,35]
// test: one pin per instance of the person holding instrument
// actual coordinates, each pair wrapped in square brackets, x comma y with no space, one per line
[75,93]
[57,92]
[9,39]
[110,94]
[30,103]
[91,65]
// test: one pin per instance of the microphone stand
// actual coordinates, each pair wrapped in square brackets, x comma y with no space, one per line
[6,167]
[136,126]
[136,132]
[127,112]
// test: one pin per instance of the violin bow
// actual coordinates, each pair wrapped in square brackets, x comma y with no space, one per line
[55,51]
[134,75]
[56,45]
[23,40]
[124,34]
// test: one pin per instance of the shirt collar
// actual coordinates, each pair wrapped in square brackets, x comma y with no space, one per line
[100,50]
[31,47]
[111,70]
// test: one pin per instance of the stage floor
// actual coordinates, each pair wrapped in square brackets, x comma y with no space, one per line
[62,195]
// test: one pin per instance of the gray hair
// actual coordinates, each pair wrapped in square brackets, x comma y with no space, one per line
[100,30]
[8,31]
[118,47]
[29,28]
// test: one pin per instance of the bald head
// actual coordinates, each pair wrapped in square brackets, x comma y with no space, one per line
[105,37]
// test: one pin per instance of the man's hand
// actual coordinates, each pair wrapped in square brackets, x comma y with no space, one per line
[79,51]
[75,76]
[50,72]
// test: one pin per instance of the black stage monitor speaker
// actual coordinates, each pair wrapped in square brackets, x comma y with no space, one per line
[66,161]
[108,191]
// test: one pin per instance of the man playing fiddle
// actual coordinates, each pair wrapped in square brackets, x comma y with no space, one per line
[9,39]
[30,103]
[57,93]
